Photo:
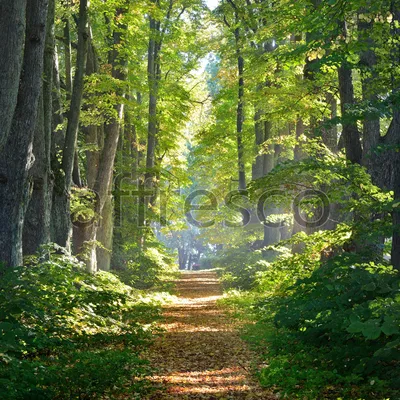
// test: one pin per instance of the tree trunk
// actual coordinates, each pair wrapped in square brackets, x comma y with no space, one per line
[240,112]
[94,134]
[105,235]
[68,58]
[153,82]
[16,158]
[153,75]
[76,97]
[37,220]
[103,183]
[371,124]
[61,200]
[12,22]
[330,135]
[257,168]
[396,189]
[394,136]
[350,133]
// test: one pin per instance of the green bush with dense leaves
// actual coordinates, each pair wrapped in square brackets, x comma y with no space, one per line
[239,267]
[327,316]
[66,334]
[339,326]
[328,331]
[147,268]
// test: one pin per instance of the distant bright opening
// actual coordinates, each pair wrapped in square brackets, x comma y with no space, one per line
[211,4]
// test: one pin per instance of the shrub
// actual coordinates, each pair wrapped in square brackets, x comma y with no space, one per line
[66,334]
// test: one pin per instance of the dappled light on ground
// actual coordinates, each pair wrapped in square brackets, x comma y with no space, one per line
[200,355]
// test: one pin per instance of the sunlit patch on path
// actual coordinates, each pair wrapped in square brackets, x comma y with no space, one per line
[200,355]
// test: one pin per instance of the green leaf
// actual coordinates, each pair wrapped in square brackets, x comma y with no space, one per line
[354,318]
[355,327]
[370,287]
[390,327]
[372,329]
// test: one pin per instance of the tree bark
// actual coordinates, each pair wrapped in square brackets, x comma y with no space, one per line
[396,188]
[61,219]
[76,97]
[350,133]
[16,158]
[153,82]
[240,112]
[103,183]
[330,134]
[371,124]
[105,235]
[394,136]
[37,220]
[12,22]
[68,58]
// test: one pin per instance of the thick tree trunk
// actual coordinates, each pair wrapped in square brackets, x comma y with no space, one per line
[153,75]
[394,137]
[396,188]
[271,234]
[60,220]
[16,158]
[36,230]
[371,124]
[12,22]
[37,221]
[84,232]
[350,133]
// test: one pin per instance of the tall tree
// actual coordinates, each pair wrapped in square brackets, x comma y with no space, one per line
[37,222]
[16,158]
[101,229]
[61,199]
[12,21]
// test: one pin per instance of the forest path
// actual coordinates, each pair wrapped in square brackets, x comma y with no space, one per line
[200,355]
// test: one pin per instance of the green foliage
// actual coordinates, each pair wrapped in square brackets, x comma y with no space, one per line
[66,334]
[144,269]
[82,205]
[327,317]
[333,333]
[326,328]
[240,267]
[338,330]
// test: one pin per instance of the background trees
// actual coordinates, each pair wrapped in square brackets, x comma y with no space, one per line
[121,82]
[113,113]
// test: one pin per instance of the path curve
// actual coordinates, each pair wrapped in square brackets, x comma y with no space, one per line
[200,355]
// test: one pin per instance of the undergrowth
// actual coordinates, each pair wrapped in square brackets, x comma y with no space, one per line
[324,314]
[328,332]
[67,334]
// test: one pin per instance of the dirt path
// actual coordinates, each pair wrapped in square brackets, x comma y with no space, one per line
[201,356]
